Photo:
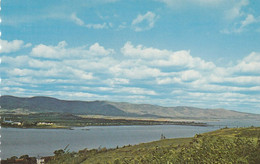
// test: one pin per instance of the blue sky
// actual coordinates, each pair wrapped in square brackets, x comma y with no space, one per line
[201,53]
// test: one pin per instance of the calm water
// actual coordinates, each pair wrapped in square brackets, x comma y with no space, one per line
[43,142]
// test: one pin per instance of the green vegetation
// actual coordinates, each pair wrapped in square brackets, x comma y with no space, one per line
[236,145]
[24,159]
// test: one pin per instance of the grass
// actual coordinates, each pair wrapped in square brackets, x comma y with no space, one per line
[129,153]
[236,145]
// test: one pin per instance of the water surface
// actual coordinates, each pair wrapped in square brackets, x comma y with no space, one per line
[43,142]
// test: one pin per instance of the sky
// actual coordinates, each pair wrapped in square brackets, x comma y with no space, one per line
[200,53]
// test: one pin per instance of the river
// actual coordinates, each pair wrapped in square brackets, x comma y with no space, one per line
[43,142]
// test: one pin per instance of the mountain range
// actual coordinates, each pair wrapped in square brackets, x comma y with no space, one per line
[42,104]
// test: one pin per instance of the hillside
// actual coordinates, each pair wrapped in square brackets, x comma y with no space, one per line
[236,145]
[48,104]
[105,108]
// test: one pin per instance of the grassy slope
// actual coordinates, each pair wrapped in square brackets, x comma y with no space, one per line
[251,132]
[158,151]
[129,153]
[145,149]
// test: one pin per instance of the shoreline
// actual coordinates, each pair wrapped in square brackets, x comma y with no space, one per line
[200,124]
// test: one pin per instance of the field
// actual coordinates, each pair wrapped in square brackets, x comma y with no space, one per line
[236,145]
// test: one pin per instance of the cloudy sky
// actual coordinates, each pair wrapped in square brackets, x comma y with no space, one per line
[201,53]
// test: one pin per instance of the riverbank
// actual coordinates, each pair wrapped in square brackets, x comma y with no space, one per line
[67,121]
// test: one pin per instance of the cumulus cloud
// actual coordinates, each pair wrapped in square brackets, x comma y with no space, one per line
[143,73]
[12,46]
[165,58]
[136,72]
[60,72]
[16,61]
[190,75]
[249,20]
[184,59]
[136,91]
[144,22]
[96,49]
[61,51]
[142,52]
[80,22]
[250,64]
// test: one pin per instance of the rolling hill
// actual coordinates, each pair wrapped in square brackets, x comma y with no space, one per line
[48,104]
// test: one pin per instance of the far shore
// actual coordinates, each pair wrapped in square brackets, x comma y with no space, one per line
[146,123]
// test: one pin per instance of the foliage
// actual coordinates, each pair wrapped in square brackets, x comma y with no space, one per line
[217,150]
[24,157]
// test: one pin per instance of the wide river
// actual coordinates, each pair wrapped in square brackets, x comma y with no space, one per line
[43,142]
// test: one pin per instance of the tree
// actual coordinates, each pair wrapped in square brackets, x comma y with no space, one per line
[24,157]
[59,152]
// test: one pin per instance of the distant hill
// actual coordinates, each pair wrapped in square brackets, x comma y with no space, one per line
[48,104]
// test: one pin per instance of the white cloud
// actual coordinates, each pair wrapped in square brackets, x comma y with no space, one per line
[236,8]
[98,64]
[190,75]
[79,74]
[34,63]
[59,72]
[45,51]
[60,51]
[165,58]
[144,22]
[16,61]
[140,72]
[80,22]
[250,64]
[75,19]
[143,52]
[249,20]
[96,49]
[180,77]
[97,26]
[117,81]
[93,69]
[135,91]
[169,80]
[244,80]
[12,46]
